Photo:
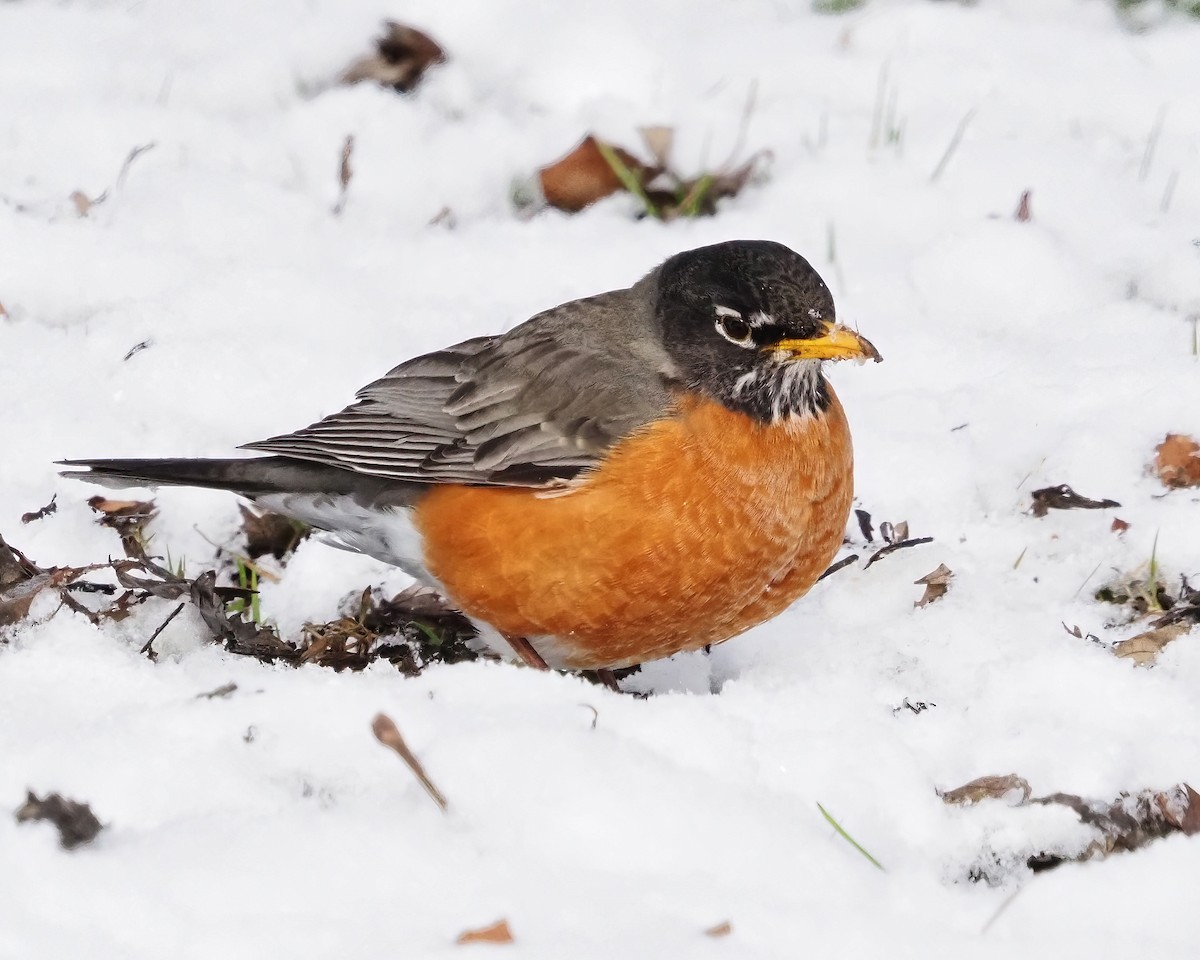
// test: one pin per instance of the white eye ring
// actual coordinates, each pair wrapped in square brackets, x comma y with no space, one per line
[733,327]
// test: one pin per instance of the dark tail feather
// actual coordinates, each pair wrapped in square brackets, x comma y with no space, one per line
[249,477]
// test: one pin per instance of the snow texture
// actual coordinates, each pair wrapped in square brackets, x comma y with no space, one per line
[1018,355]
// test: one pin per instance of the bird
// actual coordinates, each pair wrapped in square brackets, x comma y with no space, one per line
[618,479]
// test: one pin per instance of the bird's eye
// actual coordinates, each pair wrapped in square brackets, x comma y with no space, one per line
[733,328]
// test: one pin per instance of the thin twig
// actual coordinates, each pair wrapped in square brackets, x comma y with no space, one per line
[844,562]
[133,155]
[893,547]
[147,649]
[952,146]
[1087,578]
[999,910]
[386,733]
[1152,142]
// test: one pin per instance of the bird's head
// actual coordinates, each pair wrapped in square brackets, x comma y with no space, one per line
[749,323]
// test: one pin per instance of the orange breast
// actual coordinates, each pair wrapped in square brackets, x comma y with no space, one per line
[691,531]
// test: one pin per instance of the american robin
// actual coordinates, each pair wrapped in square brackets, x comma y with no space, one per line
[617,479]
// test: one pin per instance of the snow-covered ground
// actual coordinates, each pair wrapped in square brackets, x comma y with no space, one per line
[1018,355]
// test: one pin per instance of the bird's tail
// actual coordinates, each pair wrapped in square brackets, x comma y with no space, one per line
[252,477]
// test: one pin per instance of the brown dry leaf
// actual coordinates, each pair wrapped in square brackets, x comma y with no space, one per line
[21,580]
[401,57]
[988,788]
[1130,822]
[1180,807]
[388,734]
[497,932]
[583,176]
[76,823]
[1119,525]
[1177,461]
[271,533]
[128,518]
[1145,647]
[1024,214]
[723,929]
[937,582]
[659,141]
[345,174]
[1062,497]
[82,203]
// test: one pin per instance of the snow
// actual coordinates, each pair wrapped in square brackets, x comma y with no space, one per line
[270,822]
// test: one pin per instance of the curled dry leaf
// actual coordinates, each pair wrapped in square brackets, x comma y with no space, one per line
[584,176]
[345,174]
[21,580]
[723,929]
[75,822]
[1024,213]
[1062,497]
[659,141]
[937,582]
[128,518]
[272,533]
[1177,461]
[1129,822]
[1119,526]
[497,932]
[401,57]
[82,203]
[989,788]
[1144,648]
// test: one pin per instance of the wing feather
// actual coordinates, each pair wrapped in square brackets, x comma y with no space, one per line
[534,406]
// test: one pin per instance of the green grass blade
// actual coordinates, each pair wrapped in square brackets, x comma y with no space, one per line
[849,839]
[627,177]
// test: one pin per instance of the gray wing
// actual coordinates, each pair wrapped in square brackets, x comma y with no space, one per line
[529,408]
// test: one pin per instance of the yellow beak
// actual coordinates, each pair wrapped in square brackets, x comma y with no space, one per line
[835,343]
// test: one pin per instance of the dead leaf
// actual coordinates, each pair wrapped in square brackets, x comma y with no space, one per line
[659,141]
[42,512]
[1177,461]
[722,929]
[988,788]
[75,822]
[21,580]
[128,518]
[82,203]
[1180,807]
[272,533]
[1024,214]
[497,932]
[583,176]
[401,57]
[937,582]
[345,174]
[388,734]
[1118,525]
[1144,648]
[1129,822]
[864,525]
[1062,497]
